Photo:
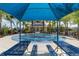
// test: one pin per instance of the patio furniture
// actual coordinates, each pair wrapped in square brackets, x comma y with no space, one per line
[34,50]
[17,50]
[51,51]
[69,49]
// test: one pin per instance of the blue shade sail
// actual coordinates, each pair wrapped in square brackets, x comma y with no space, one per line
[15,9]
[60,10]
[39,11]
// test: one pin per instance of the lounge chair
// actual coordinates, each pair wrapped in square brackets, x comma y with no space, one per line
[51,51]
[17,50]
[69,49]
[34,50]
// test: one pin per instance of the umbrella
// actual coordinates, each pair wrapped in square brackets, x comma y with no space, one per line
[39,11]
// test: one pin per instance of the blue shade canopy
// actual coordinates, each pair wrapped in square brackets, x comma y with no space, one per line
[14,9]
[39,11]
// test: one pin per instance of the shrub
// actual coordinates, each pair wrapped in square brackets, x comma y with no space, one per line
[5,30]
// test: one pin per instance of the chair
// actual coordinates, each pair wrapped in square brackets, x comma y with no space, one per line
[17,50]
[69,49]
[51,51]
[34,50]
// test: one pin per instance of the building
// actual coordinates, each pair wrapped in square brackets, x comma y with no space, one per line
[38,26]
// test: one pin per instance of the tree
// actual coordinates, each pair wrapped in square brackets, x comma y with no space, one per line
[66,20]
[53,25]
[43,25]
[49,28]
[1,14]
[76,19]
[32,29]
[23,22]
[9,18]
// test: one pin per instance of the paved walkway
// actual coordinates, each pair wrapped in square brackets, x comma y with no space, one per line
[72,41]
[6,43]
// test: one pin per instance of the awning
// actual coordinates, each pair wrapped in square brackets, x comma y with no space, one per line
[39,11]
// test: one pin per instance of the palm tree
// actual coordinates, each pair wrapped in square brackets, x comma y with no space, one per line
[0,21]
[1,14]
[66,20]
[9,18]
[32,26]
[17,23]
[53,25]
[59,25]
[43,26]
[49,27]
[76,19]
[23,23]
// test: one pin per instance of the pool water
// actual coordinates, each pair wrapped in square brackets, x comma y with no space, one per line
[36,37]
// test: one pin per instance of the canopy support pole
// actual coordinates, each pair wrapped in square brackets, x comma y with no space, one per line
[58,39]
[57,31]
[20,32]
[57,35]
[57,48]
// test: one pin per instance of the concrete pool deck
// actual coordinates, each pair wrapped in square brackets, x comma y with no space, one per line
[6,43]
[72,41]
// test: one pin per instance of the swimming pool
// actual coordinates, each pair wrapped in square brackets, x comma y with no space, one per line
[36,37]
